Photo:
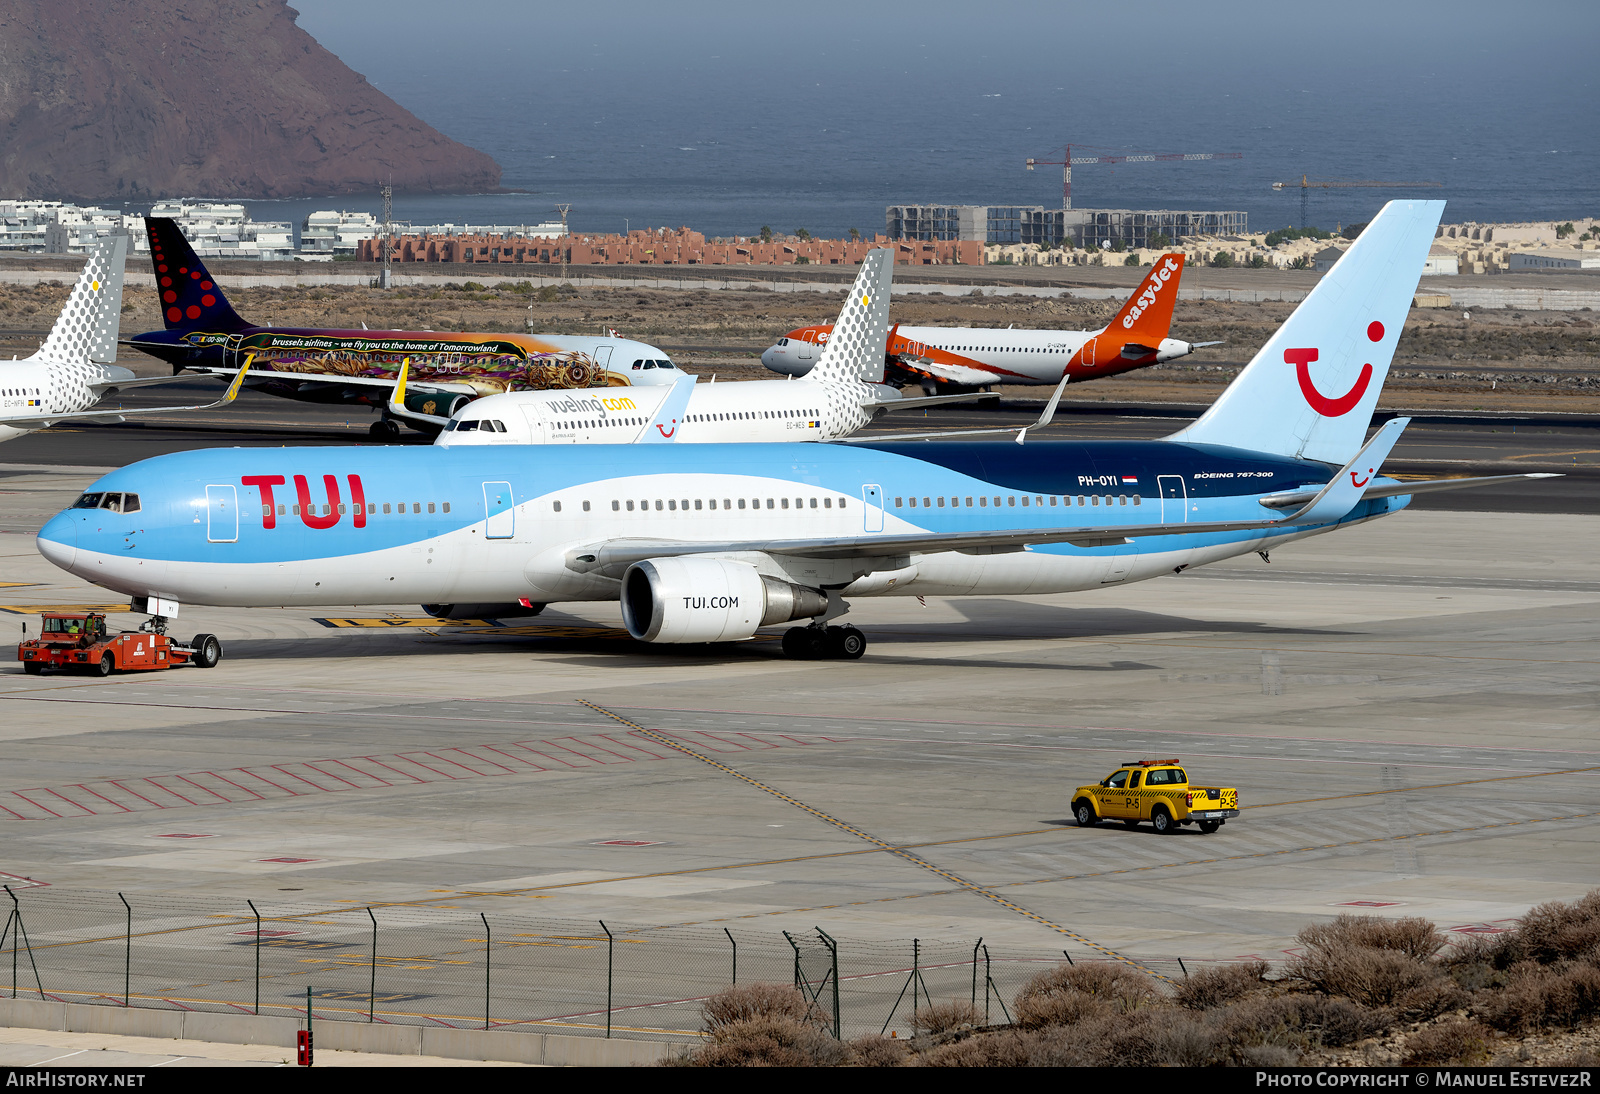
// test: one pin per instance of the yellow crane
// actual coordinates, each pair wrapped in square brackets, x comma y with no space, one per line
[1307,185]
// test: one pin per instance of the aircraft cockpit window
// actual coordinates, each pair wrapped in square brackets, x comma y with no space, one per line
[466,427]
[499,426]
[649,364]
[88,501]
[113,502]
[130,503]
[665,364]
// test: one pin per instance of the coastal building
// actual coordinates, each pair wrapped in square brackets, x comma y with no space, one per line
[1127,229]
[1554,259]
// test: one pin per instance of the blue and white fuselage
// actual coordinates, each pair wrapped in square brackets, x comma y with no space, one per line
[321,526]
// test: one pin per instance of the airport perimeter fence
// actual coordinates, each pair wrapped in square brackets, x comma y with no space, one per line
[462,968]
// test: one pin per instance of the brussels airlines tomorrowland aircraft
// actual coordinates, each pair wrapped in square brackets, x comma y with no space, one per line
[708,542]
[970,357]
[448,369]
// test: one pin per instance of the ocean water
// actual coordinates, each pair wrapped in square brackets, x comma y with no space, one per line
[710,131]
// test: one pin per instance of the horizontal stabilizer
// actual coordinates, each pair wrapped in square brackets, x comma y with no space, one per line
[1348,487]
[111,417]
[921,401]
[1294,498]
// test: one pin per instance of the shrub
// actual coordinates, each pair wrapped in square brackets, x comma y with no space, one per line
[1556,931]
[1131,260]
[1069,994]
[1221,984]
[754,1001]
[1458,1041]
[471,286]
[1376,978]
[1537,996]
[769,1042]
[1222,259]
[875,1051]
[1297,1021]
[1409,935]
[946,1017]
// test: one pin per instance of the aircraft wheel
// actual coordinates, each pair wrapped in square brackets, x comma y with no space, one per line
[107,665]
[846,643]
[385,430]
[802,643]
[208,651]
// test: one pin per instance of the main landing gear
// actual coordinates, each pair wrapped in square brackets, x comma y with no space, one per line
[819,643]
[386,429]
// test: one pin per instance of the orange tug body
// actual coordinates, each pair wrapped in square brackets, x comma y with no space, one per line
[80,642]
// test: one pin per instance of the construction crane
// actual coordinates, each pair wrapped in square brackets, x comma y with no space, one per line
[1307,185]
[1068,162]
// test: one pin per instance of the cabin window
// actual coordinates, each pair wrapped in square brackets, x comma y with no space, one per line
[941,503]
[1136,500]
[372,507]
[1011,501]
[741,503]
[727,503]
[813,503]
[770,504]
[927,503]
[827,503]
[1024,502]
[1052,501]
[1094,499]
[296,510]
[416,507]
[630,505]
[841,503]
[672,503]
[982,502]
[280,508]
[997,503]
[659,505]
[684,504]
[786,503]
[913,503]
[1122,499]
[1082,500]
[341,508]
[430,507]
[326,509]
[616,506]
[585,507]
[697,503]
[385,507]
[969,503]
[555,506]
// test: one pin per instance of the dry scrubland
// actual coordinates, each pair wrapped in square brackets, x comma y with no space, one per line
[1365,991]
[1497,360]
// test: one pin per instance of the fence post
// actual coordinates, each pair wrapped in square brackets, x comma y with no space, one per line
[258,953]
[372,984]
[735,946]
[19,939]
[916,974]
[833,949]
[610,946]
[127,953]
[975,976]
[488,950]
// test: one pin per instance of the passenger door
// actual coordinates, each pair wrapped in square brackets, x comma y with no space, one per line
[222,514]
[872,505]
[499,513]
[1174,499]
[806,347]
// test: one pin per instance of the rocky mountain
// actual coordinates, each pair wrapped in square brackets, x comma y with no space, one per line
[138,99]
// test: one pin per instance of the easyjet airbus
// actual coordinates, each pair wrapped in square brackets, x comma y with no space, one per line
[970,357]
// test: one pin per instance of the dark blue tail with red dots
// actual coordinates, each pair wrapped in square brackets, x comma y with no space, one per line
[190,299]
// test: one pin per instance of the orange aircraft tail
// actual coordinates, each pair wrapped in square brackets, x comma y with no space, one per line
[1147,316]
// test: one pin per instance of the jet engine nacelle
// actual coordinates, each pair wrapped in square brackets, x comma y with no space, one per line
[481,611]
[690,599]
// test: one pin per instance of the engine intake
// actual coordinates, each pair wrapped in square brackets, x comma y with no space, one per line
[709,600]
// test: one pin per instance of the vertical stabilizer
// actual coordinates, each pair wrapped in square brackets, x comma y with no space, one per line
[1311,390]
[855,348]
[103,343]
[77,329]
[190,298]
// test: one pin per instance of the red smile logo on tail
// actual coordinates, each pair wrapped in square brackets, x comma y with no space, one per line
[1331,407]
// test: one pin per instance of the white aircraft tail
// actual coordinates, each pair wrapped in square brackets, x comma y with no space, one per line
[1311,390]
[87,327]
[856,348]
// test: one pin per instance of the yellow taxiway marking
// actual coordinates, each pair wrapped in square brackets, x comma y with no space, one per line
[884,845]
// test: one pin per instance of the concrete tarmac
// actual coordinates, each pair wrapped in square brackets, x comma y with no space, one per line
[1408,708]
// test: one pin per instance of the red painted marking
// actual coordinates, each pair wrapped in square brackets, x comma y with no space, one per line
[386,767]
[269,782]
[444,775]
[286,858]
[151,781]
[185,835]
[1329,408]
[192,311]
[486,760]
[628,843]
[1364,481]
[357,770]
[14,813]
[75,805]
[303,492]
[102,797]
[313,766]
[601,748]
[136,794]
[1375,331]
[1369,904]
[35,804]
[206,789]
[282,770]
[592,762]
[174,314]
[663,429]
[516,759]
[236,786]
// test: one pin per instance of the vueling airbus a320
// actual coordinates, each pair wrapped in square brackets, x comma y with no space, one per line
[708,543]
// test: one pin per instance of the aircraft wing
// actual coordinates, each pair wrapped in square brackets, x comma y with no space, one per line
[956,374]
[430,387]
[111,417]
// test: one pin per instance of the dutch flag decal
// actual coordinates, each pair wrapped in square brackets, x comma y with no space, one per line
[1130,480]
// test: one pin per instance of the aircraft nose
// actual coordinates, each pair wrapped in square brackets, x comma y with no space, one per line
[770,358]
[58,539]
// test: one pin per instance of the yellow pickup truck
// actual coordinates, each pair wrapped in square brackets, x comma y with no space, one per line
[1157,791]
